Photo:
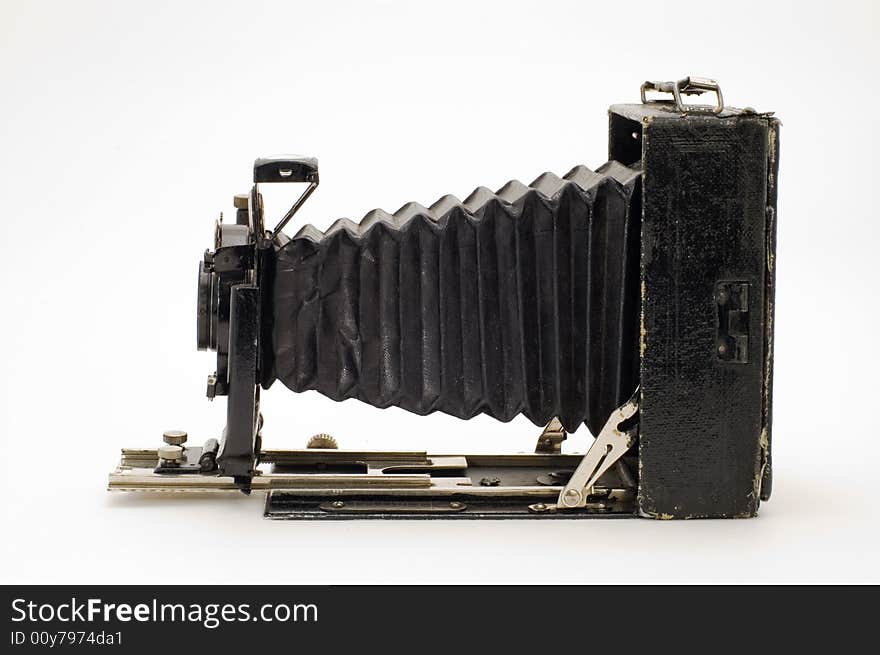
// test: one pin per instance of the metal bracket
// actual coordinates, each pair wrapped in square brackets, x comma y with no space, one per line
[239,447]
[688,86]
[287,168]
[611,444]
[551,438]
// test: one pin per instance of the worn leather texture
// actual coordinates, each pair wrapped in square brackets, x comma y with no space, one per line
[708,225]
[521,301]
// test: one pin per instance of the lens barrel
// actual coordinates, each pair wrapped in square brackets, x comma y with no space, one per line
[206,305]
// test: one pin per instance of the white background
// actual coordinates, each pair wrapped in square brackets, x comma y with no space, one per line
[127,128]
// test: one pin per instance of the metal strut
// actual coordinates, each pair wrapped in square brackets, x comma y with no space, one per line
[611,444]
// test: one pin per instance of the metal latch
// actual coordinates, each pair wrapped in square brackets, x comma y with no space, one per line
[732,340]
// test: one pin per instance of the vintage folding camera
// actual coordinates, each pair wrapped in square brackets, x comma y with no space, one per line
[637,299]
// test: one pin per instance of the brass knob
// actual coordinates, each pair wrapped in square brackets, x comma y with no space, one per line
[174,437]
[171,454]
[322,441]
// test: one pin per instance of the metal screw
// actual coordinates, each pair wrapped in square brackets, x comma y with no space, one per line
[572,498]
[490,482]
[538,507]
[455,505]
[241,200]
[337,504]
[561,477]
[174,437]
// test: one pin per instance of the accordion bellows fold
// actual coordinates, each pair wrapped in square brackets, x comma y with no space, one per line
[521,301]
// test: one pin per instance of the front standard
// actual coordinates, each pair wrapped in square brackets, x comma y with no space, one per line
[636,299]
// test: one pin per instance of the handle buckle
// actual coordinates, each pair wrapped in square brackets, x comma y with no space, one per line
[687,87]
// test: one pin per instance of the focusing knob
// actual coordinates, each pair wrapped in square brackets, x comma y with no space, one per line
[322,441]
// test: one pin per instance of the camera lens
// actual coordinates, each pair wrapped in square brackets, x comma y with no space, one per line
[206,306]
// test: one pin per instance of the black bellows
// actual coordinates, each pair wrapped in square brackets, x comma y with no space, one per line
[525,300]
